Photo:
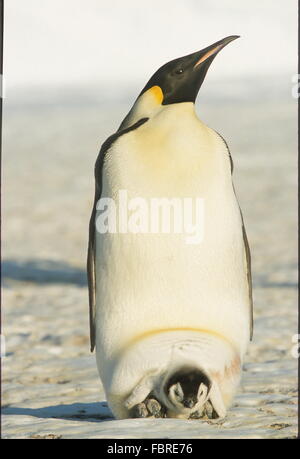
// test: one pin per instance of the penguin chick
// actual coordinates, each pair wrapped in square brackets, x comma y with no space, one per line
[188,388]
[186,392]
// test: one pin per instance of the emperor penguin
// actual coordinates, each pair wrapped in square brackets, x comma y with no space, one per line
[170,321]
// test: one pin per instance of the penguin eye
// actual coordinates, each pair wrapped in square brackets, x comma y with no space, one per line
[179,71]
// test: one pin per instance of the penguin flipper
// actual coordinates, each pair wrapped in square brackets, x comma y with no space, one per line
[91,270]
[249,277]
[91,274]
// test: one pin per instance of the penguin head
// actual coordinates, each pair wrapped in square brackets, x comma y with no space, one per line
[187,389]
[180,79]
[177,81]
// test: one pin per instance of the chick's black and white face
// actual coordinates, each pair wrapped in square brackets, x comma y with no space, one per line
[189,400]
[187,391]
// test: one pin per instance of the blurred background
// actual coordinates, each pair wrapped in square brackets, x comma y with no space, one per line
[72,71]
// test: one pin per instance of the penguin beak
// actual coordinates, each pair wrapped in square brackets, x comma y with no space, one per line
[200,63]
[209,53]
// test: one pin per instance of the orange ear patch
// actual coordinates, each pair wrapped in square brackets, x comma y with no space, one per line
[157,93]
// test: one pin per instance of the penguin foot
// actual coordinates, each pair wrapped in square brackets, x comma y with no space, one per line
[139,411]
[196,415]
[155,408]
[148,408]
[207,412]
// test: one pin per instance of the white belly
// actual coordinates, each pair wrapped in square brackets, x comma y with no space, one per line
[147,282]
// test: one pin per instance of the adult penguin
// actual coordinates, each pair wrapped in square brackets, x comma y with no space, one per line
[171,321]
